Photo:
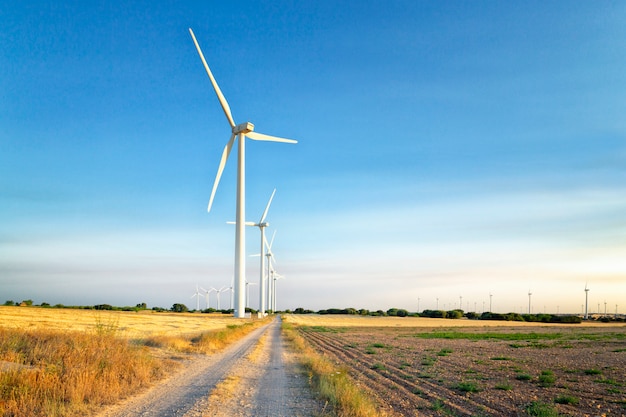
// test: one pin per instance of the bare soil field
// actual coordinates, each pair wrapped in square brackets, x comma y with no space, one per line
[429,367]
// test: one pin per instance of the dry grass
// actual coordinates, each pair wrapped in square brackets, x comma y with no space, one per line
[128,324]
[57,362]
[333,382]
[70,373]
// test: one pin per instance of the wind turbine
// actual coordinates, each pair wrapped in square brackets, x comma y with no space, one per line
[248,292]
[218,292]
[586,301]
[529,294]
[262,224]
[197,295]
[241,131]
[270,281]
[206,294]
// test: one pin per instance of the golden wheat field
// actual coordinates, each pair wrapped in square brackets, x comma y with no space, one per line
[130,324]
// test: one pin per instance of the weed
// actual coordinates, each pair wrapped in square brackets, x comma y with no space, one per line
[488,336]
[404,365]
[592,371]
[500,358]
[566,399]
[523,377]
[468,386]
[609,382]
[547,379]
[504,386]
[619,350]
[379,367]
[428,361]
[370,351]
[541,409]
[378,345]
[444,352]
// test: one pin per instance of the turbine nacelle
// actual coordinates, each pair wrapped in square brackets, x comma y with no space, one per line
[244,128]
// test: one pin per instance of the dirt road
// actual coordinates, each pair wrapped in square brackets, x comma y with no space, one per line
[257,376]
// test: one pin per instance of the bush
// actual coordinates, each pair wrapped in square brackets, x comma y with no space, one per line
[179,308]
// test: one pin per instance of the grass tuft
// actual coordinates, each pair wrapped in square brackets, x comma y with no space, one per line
[541,409]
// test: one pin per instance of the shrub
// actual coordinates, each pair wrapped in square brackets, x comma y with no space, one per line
[547,378]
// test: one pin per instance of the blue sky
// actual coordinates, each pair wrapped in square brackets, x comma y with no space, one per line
[446,150]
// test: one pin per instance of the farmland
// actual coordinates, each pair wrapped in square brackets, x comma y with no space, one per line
[460,367]
[62,362]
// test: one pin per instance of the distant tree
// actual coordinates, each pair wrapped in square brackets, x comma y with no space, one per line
[142,306]
[45,304]
[402,312]
[350,310]
[454,314]
[392,312]
[9,303]
[103,307]
[179,308]
[299,310]
[364,312]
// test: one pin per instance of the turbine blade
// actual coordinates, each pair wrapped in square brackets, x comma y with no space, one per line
[272,241]
[260,136]
[267,207]
[220,96]
[220,169]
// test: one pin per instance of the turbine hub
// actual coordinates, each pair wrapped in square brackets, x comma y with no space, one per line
[243,128]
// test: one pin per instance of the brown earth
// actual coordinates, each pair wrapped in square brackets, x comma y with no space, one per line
[410,375]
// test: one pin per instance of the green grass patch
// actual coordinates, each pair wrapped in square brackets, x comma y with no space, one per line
[468,386]
[504,386]
[379,367]
[541,409]
[428,361]
[488,335]
[592,371]
[523,377]
[500,358]
[609,382]
[444,352]
[547,379]
[567,399]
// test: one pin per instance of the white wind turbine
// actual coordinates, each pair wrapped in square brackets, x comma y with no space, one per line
[270,268]
[197,295]
[242,131]
[262,224]
[248,292]
[206,295]
[218,292]
[586,301]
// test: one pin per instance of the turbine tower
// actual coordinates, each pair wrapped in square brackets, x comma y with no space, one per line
[197,295]
[586,302]
[529,295]
[240,131]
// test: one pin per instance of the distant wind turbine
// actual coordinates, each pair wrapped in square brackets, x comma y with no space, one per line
[586,302]
[218,292]
[270,282]
[529,295]
[206,294]
[241,131]
[197,295]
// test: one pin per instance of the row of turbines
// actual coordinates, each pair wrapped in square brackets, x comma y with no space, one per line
[585,308]
[241,132]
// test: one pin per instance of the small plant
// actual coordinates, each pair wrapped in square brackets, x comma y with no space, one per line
[547,379]
[504,386]
[428,361]
[592,371]
[377,345]
[566,399]
[541,409]
[500,358]
[444,352]
[468,386]
[379,367]
[370,351]
[437,405]
[523,377]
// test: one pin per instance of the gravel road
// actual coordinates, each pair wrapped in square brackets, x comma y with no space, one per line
[231,383]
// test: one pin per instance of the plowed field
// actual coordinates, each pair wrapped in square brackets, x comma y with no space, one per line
[573,370]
